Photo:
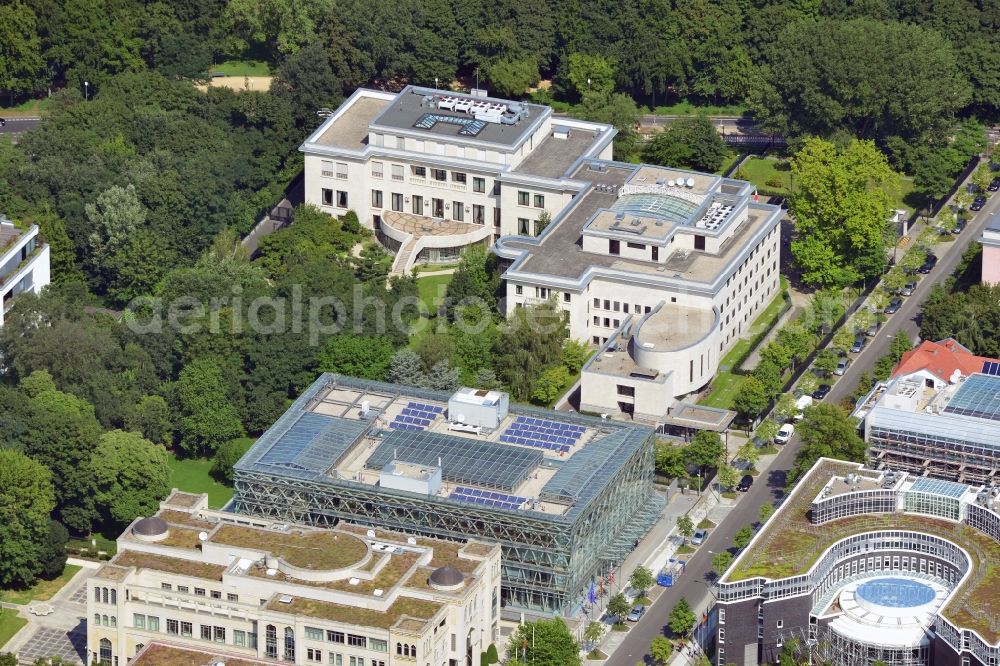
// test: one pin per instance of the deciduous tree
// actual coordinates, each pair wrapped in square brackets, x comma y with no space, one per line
[131,476]
[26,500]
[682,618]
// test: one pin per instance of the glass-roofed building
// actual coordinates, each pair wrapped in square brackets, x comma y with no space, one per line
[938,416]
[566,496]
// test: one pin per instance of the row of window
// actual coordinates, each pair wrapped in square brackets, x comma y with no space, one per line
[105,621]
[439,175]
[104,595]
[456,209]
[315,655]
[616,306]
[354,640]
[329,169]
[526,199]
[198,591]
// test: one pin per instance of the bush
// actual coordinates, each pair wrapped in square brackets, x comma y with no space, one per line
[227,456]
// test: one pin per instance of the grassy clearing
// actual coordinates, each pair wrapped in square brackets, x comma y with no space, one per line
[686,108]
[31,107]
[84,547]
[431,292]
[10,624]
[192,476]
[242,68]
[434,268]
[42,590]
[774,176]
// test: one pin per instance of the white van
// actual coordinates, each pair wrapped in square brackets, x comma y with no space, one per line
[801,404]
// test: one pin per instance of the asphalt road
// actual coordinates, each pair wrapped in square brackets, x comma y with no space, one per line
[17,126]
[694,584]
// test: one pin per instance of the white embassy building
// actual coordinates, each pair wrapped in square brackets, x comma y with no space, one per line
[661,269]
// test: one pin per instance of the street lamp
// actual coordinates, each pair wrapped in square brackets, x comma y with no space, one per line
[86,91]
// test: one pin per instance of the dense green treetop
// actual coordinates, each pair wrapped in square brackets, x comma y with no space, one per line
[26,500]
[131,476]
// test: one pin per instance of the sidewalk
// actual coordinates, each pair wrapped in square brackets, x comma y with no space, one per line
[660,545]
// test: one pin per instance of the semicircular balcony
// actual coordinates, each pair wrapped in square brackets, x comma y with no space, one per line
[416,237]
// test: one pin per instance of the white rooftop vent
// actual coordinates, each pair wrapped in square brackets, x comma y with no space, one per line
[272,572]
[955,376]
[285,598]
[412,541]
[364,408]
[354,581]
[371,533]
[378,592]
[478,92]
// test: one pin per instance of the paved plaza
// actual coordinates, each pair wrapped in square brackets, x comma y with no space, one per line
[46,642]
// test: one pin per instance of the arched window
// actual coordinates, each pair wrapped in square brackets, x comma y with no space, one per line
[105,652]
[114,621]
[97,619]
[413,651]
[104,595]
[399,649]
[289,644]
[114,596]
[271,641]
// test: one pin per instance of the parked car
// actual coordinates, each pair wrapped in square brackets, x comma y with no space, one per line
[994,185]
[822,391]
[959,226]
[3,122]
[699,537]
[784,434]
[745,483]
[978,203]
[929,263]
[908,288]
[636,614]
[842,366]
[893,306]
[859,344]
[801,403]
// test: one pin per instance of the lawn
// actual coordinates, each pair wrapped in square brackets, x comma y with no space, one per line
[434,268]
[105,543]
[727,383]
[431,290]
[686,108]
[760,170]
[192,476]
[242,68]
[730,160]
[32,107]
[42,590]
[10,624]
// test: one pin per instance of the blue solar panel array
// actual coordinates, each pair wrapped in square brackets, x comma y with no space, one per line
[416,416]
[991,368]
[469,126]
[544,434]
[488,498]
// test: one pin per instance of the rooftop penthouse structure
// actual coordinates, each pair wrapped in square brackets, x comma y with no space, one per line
[196,586]
[938,415]
[565,496]
[866,565]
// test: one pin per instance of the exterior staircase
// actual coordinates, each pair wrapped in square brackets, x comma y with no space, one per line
[403,262]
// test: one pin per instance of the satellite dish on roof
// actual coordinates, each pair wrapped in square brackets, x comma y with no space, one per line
[202,536]
[690,182]
[670,183]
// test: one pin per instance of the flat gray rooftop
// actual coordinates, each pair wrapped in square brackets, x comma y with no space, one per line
[554,157]
[404,111]
[560,252]
[350,130]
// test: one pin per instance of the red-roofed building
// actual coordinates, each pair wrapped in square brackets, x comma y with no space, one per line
[939,363]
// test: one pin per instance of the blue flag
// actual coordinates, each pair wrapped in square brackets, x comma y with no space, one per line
[592,594]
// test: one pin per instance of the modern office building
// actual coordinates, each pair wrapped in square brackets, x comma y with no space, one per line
[191,582]
[990,240]
[24,262]
[938,415]
[859,566]
[660,269]
[566,496]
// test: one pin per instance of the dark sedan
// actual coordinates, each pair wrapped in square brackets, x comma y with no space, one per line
[821,392]
[994,185]
[929,263]
[978,203]
[893,306]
